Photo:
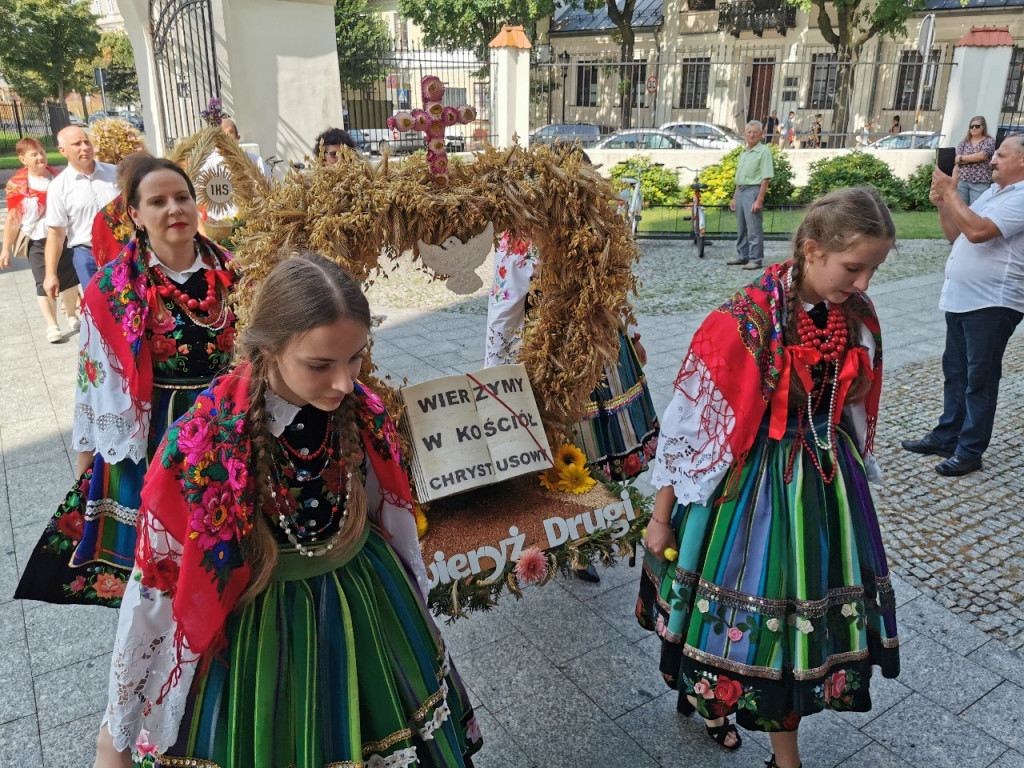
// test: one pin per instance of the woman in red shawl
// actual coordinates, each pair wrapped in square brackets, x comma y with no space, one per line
[26,214]
[766,577]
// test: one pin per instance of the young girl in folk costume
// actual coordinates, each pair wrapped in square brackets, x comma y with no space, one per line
[156,328]
[276,615]
[777,602]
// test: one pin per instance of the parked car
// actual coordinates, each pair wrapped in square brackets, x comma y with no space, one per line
[131,117]
[908,140]
[74,119]
[1005,130]
[567,133]
[707,135]
[644,138]
[360,139]
[97,115]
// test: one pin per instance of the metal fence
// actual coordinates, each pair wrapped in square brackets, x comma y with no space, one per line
[729,84]
[39,121]
[379,83]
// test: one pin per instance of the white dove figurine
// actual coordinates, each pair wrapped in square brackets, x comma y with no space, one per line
[459,260]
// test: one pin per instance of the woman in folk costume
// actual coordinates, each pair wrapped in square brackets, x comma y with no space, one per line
[775,600]
[276,615]
[156,328]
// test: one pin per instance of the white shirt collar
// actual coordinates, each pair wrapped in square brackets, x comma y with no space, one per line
[280,413]
[178,277]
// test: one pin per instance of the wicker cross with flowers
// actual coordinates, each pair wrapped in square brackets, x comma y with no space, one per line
[432,120]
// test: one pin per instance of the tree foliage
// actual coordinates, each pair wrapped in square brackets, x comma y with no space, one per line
[118,59]
[360,33]
[623,21]
[847,25]
[472,24]
[41,44]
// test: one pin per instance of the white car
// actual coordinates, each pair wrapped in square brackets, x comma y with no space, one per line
[707,135]
[644,138]
[908,140]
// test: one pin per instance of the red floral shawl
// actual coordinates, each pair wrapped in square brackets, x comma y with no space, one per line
[749,375]
[112,230]
[17,189]
[199,490]
[121,302]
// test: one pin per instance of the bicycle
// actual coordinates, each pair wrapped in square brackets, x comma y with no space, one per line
[273,161]
[698,220]
[631,199]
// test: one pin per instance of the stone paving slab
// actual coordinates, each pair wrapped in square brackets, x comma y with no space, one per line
[559,678]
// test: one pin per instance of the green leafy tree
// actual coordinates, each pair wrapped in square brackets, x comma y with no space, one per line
[360,35]
[41,44]
[848,25]
[623,21]
[472,24]
[118,59]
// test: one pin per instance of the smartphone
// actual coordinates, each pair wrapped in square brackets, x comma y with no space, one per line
[945,159]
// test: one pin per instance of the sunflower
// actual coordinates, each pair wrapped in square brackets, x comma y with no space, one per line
[549,479]
[574,479]
[569,455]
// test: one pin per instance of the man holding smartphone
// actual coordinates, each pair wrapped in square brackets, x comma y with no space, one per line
[983,297]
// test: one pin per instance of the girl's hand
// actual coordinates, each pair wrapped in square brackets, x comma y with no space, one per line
[107,756]
[659,538]
[641,353]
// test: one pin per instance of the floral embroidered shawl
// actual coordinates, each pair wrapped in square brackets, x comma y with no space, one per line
[121,301]
[17,189]
[199,489]
[746,378]
[112,230]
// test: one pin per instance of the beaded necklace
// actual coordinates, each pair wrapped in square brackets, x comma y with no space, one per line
[214,308]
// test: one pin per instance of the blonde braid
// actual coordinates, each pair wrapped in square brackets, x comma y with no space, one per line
[260,547]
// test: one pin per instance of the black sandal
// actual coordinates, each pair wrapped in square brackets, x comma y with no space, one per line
[719,734]
[770,763]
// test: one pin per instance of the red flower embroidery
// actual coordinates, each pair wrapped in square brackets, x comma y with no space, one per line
[226,340]
[90,371]
[632,465]
[78,585]
[163,575]
[71,525]
[163,349]
[728,691]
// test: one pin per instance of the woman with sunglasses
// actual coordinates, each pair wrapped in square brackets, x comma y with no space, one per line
[973,155]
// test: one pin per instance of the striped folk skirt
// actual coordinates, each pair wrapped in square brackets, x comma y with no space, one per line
[619,430]
[336,664]
[87,550]
[780,603]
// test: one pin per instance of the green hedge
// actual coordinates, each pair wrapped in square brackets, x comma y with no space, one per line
[854,169]
[660,185]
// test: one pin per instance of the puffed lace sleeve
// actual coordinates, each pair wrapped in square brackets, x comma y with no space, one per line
[144,659]
[693,453]
[400,527]
[105,419]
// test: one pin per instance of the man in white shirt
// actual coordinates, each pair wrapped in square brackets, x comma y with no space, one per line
[983,297]
[73,200]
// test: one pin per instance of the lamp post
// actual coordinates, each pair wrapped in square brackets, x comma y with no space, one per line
[563,62]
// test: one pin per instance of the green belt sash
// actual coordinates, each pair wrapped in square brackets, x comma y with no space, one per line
[294,566]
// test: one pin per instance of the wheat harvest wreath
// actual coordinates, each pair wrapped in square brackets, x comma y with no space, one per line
[363,214]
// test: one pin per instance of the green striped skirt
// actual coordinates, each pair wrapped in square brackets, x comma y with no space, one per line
[336,664]
[780,601]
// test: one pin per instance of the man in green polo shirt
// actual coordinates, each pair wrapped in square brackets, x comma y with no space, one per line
[753,174]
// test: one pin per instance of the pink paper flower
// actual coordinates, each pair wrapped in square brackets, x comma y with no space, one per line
[438,163]
[435,144]
[435,109]
[442,181]
[436,129]
[466,114]
[735,634]
[420,120]
[449,115]
[532,566]
[403,121]
[431,88]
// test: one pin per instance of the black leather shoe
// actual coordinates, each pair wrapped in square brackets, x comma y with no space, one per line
[587,574]
[957,466]
[928,446]
[735,262]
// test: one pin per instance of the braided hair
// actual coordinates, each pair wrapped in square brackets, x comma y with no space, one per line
[835,221]
[302,292]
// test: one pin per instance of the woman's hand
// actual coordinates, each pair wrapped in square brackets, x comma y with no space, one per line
[641,353]
[5,258]
[107,756]
[660,536]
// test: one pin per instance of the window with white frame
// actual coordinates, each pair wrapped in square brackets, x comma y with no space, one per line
[695,74]
[821,93]
[586,84]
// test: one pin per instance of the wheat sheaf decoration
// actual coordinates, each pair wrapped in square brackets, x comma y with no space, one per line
[363,213]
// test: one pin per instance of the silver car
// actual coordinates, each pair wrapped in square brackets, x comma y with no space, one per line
[707,135]
[644,138]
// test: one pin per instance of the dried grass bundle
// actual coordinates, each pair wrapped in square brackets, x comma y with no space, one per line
[115,139]
[359,212]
